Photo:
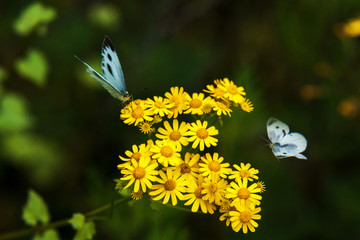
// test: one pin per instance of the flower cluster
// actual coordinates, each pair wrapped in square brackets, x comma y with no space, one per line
[176,165]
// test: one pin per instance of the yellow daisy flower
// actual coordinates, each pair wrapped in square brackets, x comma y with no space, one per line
[175,135]
[261,186]
[213,164]
[160,106]
[172,185]
[208,105]
[244,195]
[137,152]
[232,92]
[195,104]
[214,189]
[246,105]
[166,153]
[222,107]
[201,135]
[188,167]
[141,173]
[137,195]
[178,98]
[225,214]
[195,197]
[146,127]
[244,219]
[244,171]
[215,92]
[136,113]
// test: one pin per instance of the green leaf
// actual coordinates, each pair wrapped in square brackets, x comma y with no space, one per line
[3,74]
[14,116]
[86,232]
[35,210]
[48,235]
[34,16]
[77,221]
[34,67]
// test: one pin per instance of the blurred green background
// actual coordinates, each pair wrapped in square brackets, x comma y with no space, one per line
[60,132]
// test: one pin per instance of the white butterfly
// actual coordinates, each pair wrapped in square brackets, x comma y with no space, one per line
[113,78]
[283,143]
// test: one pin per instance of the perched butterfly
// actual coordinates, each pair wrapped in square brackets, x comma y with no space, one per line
[283,143]
[112,78]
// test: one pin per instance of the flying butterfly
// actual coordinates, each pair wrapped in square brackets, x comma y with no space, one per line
[112,78]
[283,143]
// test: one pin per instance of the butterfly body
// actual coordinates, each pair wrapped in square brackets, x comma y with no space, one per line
[112,78]
[283,143]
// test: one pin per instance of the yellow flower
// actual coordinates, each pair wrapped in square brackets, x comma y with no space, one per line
[141,173]
[244,171]
[146,127]
[178,98]
[137,152]
[214,189]
[213,164]
[232,92]
[160,105]
[201,135]
[246,105]
[215,92]
[196,103]
[175,135]
[137,195]
[244,218]
[225,214]
[222,107]
[195,197]
[136,113]
[188,167]
[172,185]
[244,195]
[261,186]
[208,105]
[166,153]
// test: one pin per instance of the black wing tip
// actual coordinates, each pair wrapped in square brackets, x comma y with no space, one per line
[107,43]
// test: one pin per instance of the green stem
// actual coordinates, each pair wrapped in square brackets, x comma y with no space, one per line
[90,215]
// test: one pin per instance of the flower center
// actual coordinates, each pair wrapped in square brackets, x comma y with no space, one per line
[244,173]
[213,187]
[170,185]
[232,89]
[245,216]
[176,101]
[202,133]
[185,168]
[198,193]
[214,166]
[195,103]
[139,173]
[159,105]
[243,193]
[136,156]
[175,135]
[138,113]
[219,92]
[166,151]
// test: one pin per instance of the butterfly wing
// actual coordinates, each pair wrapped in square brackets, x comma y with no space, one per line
[111,67]
[276,129]
[107,85]
[291,145]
